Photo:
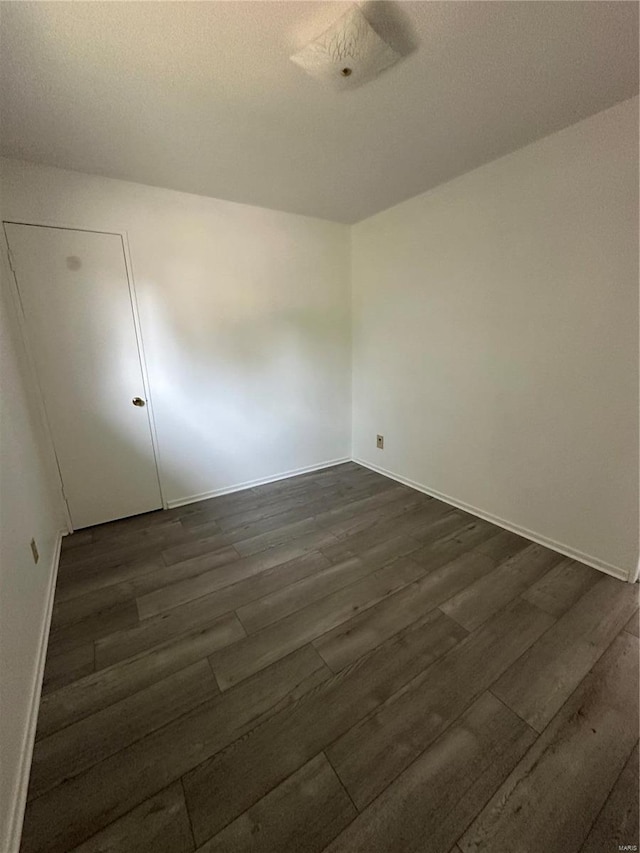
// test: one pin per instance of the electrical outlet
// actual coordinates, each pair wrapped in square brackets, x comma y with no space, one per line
[380,442]
[34,551]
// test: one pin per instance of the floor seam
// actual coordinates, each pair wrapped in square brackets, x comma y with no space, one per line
[188,811]
[342,785]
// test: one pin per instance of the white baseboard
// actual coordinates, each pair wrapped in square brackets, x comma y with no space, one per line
[20,796]
[561,548]
[249,484]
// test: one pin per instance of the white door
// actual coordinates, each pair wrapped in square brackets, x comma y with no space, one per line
[74,290]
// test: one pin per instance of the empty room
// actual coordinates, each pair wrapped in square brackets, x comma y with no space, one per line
[319,449]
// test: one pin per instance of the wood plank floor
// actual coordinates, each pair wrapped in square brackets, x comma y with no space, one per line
[333,662]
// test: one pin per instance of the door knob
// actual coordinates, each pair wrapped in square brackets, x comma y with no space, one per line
[138,401]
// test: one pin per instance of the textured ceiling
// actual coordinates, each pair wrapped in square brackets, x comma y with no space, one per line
[202,96]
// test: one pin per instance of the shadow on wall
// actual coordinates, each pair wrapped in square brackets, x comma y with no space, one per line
[234,390]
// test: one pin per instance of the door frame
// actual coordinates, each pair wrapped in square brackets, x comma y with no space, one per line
[24,335]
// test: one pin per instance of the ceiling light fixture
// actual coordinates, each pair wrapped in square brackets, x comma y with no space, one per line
[349,53]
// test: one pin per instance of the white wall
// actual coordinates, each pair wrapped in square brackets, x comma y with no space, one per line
[28,508]
[245,320]
[495,325]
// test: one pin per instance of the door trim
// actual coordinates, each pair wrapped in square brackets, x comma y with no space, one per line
[24,334]
[36,390]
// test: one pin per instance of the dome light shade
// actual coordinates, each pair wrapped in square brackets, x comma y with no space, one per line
[349,53]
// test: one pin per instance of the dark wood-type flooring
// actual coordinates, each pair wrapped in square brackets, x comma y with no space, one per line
[333,662]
